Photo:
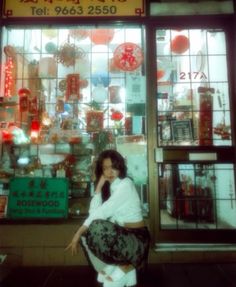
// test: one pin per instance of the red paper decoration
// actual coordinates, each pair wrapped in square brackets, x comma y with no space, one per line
[179,44]
[72,86]
[33,105]
[205,119]
[9,66]
[68,54]
[94,121]
[102,36]
[23,93]
[128,56]
[34,129]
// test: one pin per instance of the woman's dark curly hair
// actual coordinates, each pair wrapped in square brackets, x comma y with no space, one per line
[118,163]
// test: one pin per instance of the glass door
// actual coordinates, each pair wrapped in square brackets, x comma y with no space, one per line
[195,157]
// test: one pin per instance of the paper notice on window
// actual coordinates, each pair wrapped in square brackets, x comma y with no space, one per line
[135,89]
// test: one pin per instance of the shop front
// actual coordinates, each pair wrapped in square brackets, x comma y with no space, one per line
[78,77]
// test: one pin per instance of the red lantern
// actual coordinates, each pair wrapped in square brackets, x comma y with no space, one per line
[180,44]
[35,125]
[102,36]
[34,129]
[23,93]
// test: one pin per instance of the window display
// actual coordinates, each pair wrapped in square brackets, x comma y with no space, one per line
[67,94]
[192,88]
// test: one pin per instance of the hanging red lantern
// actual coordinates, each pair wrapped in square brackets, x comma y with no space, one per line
[180,44]
[24,94]
[102,36]
[34,129]
[35,125]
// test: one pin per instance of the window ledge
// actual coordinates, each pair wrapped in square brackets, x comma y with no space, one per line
[194,247]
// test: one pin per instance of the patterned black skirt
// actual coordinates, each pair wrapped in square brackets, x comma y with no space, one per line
[114,244]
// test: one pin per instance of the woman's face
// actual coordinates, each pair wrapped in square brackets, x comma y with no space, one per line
[108,171]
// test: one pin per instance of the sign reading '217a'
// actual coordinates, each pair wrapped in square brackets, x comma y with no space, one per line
[73,8]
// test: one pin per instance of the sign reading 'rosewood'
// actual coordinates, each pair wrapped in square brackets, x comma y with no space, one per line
[38,198]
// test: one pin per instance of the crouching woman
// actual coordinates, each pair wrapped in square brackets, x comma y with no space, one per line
[114,235]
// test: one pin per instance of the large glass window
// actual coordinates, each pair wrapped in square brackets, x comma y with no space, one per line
[67,94]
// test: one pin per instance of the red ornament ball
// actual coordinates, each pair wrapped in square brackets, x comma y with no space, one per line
[180,44]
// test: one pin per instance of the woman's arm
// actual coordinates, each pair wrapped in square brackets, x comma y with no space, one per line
[122,195]
[96,200]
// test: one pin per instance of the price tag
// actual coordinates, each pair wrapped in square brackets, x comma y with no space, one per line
[72,8]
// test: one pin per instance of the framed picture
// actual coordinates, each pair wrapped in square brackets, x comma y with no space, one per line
[181,130]
[165,131]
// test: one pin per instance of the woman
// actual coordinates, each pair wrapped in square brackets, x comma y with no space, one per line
[114,232]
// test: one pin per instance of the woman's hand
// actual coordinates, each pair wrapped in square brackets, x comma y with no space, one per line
[100,184]
[73,245]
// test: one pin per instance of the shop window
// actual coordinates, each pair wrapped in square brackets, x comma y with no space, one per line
[192,88]
[67,94]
